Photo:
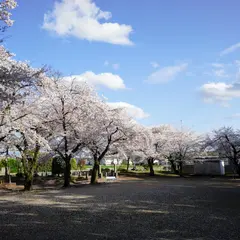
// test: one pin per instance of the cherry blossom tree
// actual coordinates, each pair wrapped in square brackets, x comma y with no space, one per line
[140,147]
[19,87]
[18,80]
[5,16]
[226,141]
[178,146]
[145,145]
[130,148]
[5,7]
[27,135]
[70,111]
[112,127]
[149,148]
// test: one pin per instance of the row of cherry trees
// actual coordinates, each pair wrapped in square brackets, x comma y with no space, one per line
[42,112]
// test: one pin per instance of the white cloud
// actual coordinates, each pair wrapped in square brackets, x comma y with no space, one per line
[166,74]
[116,66]
[133,111]
[154,64]
[84,20]
[231,49]
[108,80]
[215,92]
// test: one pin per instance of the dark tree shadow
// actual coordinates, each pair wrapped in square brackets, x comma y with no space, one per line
[154,209]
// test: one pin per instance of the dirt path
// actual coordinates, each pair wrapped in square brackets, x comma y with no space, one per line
[136,209]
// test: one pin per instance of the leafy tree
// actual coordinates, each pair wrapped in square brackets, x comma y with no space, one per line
[13,164]
[73,163]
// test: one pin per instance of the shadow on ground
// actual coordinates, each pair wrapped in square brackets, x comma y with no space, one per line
[150,209]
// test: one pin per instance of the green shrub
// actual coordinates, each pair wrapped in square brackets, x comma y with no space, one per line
[107,170]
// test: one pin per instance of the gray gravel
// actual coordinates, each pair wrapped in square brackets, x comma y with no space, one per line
[144,209]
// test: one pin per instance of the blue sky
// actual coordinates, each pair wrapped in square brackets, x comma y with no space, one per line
[175,60]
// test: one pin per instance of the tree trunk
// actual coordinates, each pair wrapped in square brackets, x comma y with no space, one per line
[7,169]
[150,164]
[237,169]
[67,172]
[236,165]
[28,183]
[28,173]
[180,166]
[128,163]
[174,166]
[94,176]
[30,165]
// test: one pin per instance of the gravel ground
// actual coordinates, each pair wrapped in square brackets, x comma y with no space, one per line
[143,209]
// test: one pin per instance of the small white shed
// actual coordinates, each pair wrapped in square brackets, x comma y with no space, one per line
[210,167]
